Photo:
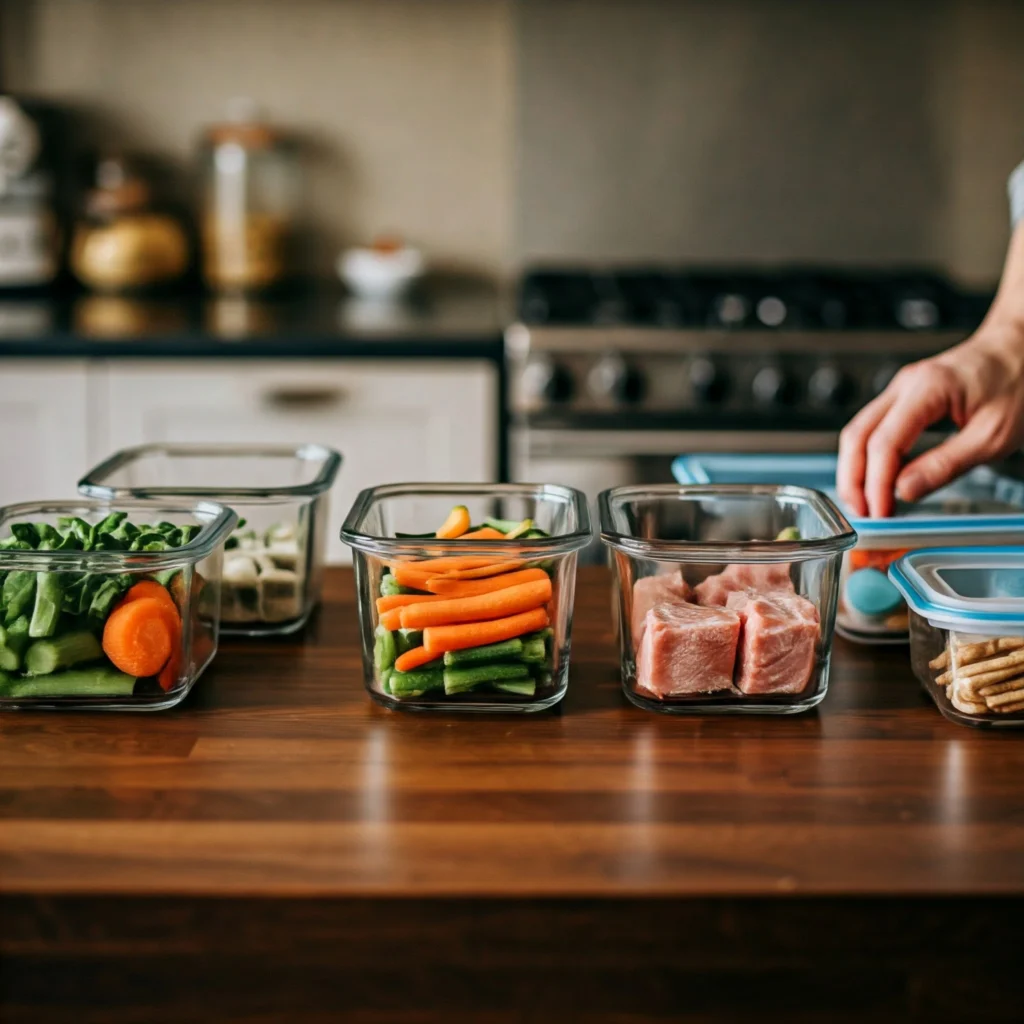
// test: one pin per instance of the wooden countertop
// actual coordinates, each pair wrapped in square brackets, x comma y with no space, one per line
[280,780]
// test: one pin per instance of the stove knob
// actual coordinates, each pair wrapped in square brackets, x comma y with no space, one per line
[707,382]
[772,311]
[771,386]
[612,378]
[829,386]
[545,381]
[730,310]
[883,378]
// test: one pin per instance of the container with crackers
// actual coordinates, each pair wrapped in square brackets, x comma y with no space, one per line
[967,630]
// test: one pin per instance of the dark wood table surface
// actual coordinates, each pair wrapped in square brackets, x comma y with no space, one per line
[280,848]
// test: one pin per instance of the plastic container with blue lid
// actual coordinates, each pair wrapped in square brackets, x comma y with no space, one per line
[983,507]
[966,609]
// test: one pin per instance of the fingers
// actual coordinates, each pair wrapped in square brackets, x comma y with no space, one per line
[913,411]
[853,443]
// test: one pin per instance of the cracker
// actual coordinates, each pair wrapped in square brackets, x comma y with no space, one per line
[945,679]
[1010,709]
[1005,686]
[968,653]
[942,661]
[968,707]
[975,683]
[1009,697]
[976,668]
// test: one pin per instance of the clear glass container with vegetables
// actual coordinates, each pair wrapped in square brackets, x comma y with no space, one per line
[466,593]
[108,606]
[967,630]
[273,564]
[726,595]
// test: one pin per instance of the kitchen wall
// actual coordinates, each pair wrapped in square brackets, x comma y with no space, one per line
[405,105]
[494,131]
[875,130]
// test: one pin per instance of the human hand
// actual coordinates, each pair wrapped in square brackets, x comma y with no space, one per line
[979,385]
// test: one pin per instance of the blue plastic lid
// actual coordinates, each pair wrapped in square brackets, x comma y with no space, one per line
[981,501]
[973,590]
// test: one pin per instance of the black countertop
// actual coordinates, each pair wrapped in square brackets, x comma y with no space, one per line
[445,321]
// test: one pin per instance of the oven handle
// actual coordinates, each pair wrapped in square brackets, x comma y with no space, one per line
[620,443]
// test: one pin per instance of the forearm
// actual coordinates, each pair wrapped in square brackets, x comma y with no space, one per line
[1007,312]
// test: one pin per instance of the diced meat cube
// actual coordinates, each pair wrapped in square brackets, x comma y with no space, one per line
[667,588]
[687,649]
[757,576]
[778,643]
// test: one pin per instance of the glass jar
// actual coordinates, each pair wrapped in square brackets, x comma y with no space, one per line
[124,242]
[250,203]
[726,595]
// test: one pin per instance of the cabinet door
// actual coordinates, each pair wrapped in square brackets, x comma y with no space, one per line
[392,421]
[43,426]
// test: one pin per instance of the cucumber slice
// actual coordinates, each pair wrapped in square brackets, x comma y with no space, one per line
[458,680]
[507,650]
[384,649]
[520,687]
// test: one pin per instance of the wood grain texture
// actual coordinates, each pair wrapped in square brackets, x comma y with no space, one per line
[592,863]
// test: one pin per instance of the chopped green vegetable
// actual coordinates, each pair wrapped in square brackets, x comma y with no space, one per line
[48,604]
[384,649]
[407,639]
[507,650]
[520,687]
[535,651]
[19,590]
[46,656]
[458,680]
[789,533]
[16,635]
[389,586]
[412,684]
[101,681]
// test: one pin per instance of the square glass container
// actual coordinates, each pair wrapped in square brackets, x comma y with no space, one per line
[726,595]
[505,650]
[983,506]
[68,573]
[967,630]
[273,565]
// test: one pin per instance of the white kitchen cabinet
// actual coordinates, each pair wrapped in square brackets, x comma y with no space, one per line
[391,420]
[43,422]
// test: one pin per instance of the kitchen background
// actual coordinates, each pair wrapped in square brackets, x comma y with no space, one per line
[495,136]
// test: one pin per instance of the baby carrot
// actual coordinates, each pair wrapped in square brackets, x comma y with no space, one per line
[386,603]
[392,619]
[494,569]
[407,575]
[471,588]
[496,605]
[436,566]
[439,639]
[485,533]
[413,659]
[455,525]
[139,636]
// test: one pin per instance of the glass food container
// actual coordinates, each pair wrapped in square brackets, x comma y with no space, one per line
[108,606]
[967,630]
[478,622]
[273,565]
[726,595]
[982,507]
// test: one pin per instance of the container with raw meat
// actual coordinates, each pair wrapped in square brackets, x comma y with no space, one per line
[726,595]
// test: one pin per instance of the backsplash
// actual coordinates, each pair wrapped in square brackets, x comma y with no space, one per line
[495,131]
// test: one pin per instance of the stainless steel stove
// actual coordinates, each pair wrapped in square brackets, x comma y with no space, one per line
[613,373]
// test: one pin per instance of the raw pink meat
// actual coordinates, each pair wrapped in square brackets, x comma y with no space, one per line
[778,642]
[687,649]
[668,588]
[758,576]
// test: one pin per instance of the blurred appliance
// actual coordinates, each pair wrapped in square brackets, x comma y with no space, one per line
[615,372]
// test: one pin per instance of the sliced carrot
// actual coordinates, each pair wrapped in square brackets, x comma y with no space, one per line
[483,571]
[471,588]
[391,619]
[139,636]
[169,673]
[497,605]
[455,525]
[439,639]
[389,601]
[485,533]
[406,575]
[149,588]
[436,566]
[413,659]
